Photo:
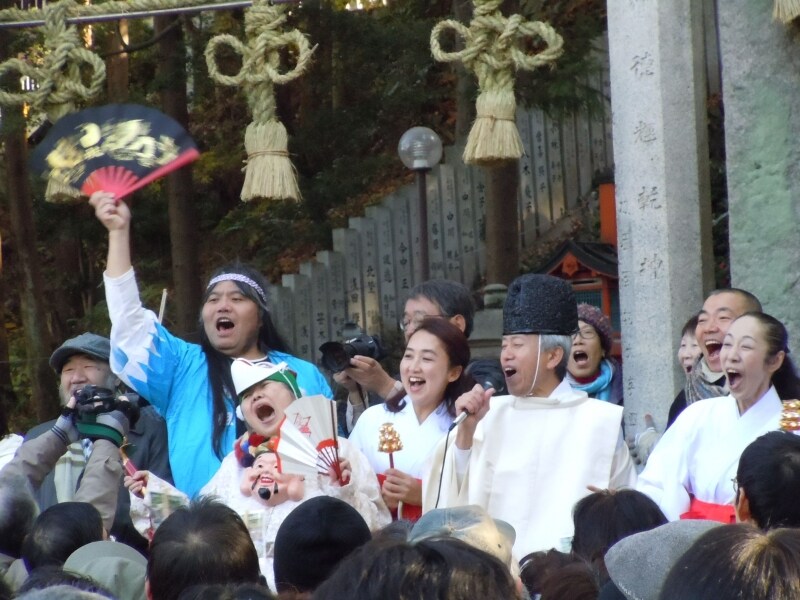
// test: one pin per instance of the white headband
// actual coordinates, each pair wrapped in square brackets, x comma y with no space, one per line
[243,279]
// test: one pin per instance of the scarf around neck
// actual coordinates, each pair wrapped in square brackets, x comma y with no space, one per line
[704,383]
[600,387]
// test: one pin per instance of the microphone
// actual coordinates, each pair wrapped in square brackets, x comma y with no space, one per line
[458,420]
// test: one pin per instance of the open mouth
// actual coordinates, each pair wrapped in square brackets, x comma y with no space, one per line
[509,372]
[265,480]
[415,383]
[580,358]
[264,411]
[734,378]
[688,368]
[224,324]
[713,347]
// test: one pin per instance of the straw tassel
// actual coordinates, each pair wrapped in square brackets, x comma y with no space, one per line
[494,135]
[269,172]
[786,11]
[494,47]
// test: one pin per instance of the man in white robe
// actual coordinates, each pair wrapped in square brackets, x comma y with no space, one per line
[528,457]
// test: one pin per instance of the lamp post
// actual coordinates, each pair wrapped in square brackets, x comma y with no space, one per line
[420,149]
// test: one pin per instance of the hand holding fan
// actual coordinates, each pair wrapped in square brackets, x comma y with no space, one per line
[307,443]
[117,148]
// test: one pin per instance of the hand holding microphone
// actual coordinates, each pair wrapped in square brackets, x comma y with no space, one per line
[472,403]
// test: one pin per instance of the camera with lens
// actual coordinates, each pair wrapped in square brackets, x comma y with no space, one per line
[95,400]
[336,355]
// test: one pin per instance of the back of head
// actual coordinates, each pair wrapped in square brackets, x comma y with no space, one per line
[603,518]
[206,542]
[536,567]
[313,539]
[241,591]
[446,569]
[59,531]
[451,297]
[738,561]
[18,511]
[769,475]
[576,581]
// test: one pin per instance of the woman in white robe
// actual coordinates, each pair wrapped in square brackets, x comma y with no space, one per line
[432,370]
[690,472]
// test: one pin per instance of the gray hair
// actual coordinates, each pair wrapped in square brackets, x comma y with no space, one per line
[550,341]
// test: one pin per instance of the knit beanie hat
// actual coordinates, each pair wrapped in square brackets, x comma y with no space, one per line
[540,304]
[594,316]
[313,540]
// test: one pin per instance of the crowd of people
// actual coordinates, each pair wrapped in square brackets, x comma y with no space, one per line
[167,476]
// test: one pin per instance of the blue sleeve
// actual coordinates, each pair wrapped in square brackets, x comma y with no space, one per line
[309,377]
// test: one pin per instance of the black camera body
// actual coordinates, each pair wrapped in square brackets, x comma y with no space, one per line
[95,400]
[336,355]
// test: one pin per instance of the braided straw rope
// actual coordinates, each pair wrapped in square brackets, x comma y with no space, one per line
[493,50]
[59,80]
[75,9]
[269,172]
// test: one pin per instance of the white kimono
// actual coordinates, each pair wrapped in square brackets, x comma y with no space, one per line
[700,453]
[419,439]
[263,522]
[532,460]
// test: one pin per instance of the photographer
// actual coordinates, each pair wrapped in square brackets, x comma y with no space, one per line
[99,485]
[82,361]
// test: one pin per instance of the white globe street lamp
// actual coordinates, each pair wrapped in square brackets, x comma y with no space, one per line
[420,149]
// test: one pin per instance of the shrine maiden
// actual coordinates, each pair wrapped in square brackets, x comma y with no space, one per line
[690,472]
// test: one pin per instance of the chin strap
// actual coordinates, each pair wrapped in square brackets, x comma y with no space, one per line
[536,373]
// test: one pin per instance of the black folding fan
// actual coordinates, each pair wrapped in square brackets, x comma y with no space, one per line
[116,148]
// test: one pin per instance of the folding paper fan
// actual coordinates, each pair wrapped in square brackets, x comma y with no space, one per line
[117,148]
[307,443]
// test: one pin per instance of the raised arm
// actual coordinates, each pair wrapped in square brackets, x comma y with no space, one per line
[116,217]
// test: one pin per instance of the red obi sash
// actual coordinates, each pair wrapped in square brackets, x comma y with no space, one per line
[409,512]
[724,513]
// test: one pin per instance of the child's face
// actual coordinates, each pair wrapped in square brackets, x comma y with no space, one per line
[263,406]
[688,352]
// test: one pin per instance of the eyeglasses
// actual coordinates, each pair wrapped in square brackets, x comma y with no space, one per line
[735,483]
[414,322]
[585,334]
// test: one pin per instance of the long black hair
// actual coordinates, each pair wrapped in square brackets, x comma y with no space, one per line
[219,364]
